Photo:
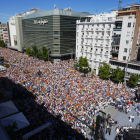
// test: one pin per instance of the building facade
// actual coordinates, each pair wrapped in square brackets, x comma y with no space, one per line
[94,38]
[12,33]
[5,36]
[2,25]
[125,51]
[55,29]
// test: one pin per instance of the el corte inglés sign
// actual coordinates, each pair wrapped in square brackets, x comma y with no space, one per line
[41,22]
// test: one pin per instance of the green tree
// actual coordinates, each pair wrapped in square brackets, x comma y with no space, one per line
[75,66]
[34,51]
[44,53]
[10,130]
[28,51]
[118,75]
[104,70]
[2,44]
[83,62]
[92,73]
[133,80]
[39,54]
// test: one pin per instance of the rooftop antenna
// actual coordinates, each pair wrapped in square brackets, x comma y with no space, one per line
[119,7]
[54,6]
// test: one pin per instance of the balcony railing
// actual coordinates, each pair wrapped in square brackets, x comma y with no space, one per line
[114,51]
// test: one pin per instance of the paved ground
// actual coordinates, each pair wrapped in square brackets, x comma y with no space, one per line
[109,110]
[123,120]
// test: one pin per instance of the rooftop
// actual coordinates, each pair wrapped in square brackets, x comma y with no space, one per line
[56,12]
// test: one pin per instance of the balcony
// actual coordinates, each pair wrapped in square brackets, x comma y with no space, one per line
[107,37]
[116,35]
[115,43]
[114,51]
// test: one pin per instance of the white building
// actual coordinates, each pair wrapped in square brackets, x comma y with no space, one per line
[15,30]
[94,38]
[12,31]
[126,41]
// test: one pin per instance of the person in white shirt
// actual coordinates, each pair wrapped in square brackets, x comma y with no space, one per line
[133,118]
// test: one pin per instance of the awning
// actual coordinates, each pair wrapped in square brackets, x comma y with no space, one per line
[7,108]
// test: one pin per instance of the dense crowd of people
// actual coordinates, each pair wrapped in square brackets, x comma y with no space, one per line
[61,91]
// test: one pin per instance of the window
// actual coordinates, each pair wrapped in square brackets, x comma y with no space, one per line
[97,24]
[56,44]
[56,38]
[133,24]
[125,49]
[96,49]
[56,50]
[56,32]
[128,34]
[127,42]
[129,24]
[124,57]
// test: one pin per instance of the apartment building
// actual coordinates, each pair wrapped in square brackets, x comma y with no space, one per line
[2,25]
[125,51]
[94,38]
[5,36]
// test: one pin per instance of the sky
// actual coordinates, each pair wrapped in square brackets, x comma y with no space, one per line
[9,8]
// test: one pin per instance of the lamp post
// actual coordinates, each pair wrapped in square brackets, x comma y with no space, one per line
[71,50]
[48,54]
[126,67]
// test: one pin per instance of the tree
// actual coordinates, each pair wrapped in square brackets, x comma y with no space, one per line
[44,53]
[83,62]
[104,70]
[2,44]
[133,80]
[34,51]
[39,54]
[10,130]
[92,73]
[118,75]
[28,51]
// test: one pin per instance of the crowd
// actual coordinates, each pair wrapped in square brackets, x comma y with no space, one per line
[122,132]
[60,91]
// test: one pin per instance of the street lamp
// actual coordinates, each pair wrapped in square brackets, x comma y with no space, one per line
[48,54]
[126,67]
[71,50]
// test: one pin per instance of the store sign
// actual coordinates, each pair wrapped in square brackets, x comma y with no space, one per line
[41,22]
